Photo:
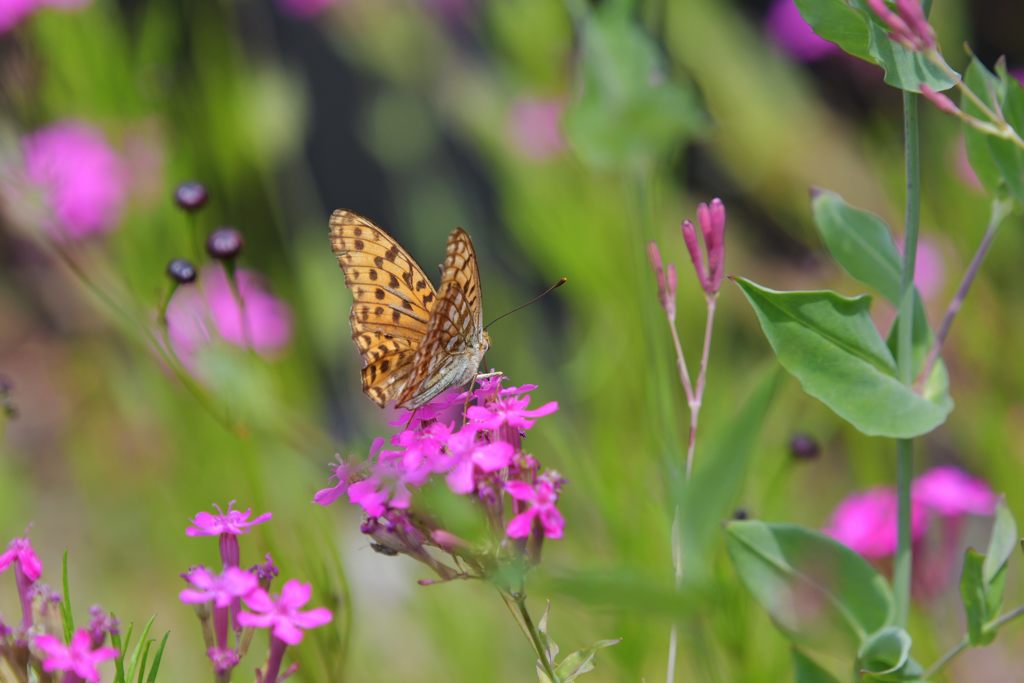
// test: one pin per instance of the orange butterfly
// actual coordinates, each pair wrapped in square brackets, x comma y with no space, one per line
[415,342]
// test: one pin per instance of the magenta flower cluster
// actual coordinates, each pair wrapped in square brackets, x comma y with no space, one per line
[13,12]
[219,599]
[478,455]
[31,644]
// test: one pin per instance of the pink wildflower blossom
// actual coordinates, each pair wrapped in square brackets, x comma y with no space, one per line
[196,314]
[951,492]
[221,589]
[20,550]
[79,658]
[792,33]
[387,485]
[283,614]
[866,522]
[341,473]
[233,522]
[508,410]
[469,453]
[540,499]
[535,126]
[81,178]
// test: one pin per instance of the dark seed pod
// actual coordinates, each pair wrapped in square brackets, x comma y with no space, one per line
[804,447]
[181,271]
[224,244]
[740,514]
[190,196]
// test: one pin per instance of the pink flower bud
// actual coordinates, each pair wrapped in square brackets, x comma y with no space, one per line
[913,15]
[941,101]
[696,257]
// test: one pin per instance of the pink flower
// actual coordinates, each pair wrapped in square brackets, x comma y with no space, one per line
[866,522]
[196,313]
[342,472]
[221,589]
[233,522]
[792,33]
[469,453]
[929,271]
[508,410]
[540,499]
[535,127]
[81,178]
[422,447]
[283,615]
[20,550]
[387,486]
[951,492]
[79,657]
[711,219]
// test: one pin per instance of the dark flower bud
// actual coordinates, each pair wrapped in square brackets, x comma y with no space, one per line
[191,196]
[224,244]
[740,514]
[804,447]
[181,271]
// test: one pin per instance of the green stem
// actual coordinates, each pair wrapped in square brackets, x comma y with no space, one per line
[903,562]
[526,622]
[964,643]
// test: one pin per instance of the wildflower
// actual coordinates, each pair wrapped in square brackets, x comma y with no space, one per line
[792,33]
[712,226]
[228,526]
[941,102]
[540,498]
[20,551]
[341,473]
[81,179]
[950,492]
[667,281]
[101,624]
[224,659]
[508,410]
[866,522]
[196,314]
[388,483]
[265,573]
[469,453]
[907,25]
[79,658]
[220,589]
[190,196]
[535,127]
[13,12]
[283,615]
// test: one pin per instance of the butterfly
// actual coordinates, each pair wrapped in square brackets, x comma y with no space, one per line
[415,342]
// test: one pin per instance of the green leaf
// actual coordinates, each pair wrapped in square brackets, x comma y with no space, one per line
[1002,542]
[155,669]
[133,661]
[628,113]
[972,593]
[145,659]
[831,346]
[806,670]
[580,662]
[711,495]
[814,588]
[905,69]
[836,21]
[885,656]
[67,616]
[120,646]
[998,163]
[860,242]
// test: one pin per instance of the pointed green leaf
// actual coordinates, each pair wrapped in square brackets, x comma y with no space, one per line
[998,162]
[972,593]
[806,670]
[814,588]
[582,661]
[133,661]
[155,669]
[830,344]
[67,615]
[836,21]
[1002,542]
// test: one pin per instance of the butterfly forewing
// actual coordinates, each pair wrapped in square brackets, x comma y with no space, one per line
[392,300]
[454,343]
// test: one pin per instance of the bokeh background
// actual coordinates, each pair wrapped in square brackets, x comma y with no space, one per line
[424,115]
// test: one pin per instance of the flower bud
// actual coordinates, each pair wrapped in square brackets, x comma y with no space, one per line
[181,271]
[190,196]
[804,447]
[224,244]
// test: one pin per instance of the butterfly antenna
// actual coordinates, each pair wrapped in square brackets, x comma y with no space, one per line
[520,307]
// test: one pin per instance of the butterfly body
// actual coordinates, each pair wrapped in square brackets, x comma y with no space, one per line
[415,341]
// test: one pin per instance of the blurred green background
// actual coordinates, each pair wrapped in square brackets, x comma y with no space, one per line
[424,115]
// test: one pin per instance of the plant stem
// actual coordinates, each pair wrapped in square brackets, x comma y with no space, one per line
[999,211]
[903,561]
[964,643]
[534,635]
